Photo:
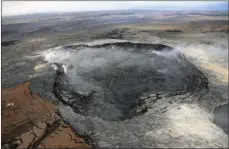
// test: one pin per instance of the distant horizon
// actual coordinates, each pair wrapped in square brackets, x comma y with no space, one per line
[47,13]
[14,8]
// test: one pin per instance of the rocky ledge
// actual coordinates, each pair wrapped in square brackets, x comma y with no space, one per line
[31,122]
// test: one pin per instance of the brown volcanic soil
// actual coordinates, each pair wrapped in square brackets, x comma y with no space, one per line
[30,122]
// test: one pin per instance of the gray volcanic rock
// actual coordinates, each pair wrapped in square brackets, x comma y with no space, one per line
[140,95]
[17,72]
[221,116]
[42,83]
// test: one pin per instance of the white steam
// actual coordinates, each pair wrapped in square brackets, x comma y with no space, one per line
[171,54]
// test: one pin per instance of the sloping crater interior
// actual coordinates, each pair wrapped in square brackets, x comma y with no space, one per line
[107,80]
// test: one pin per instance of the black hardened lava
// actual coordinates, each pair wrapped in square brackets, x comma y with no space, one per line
[114,89]
[83,99]
[156,47]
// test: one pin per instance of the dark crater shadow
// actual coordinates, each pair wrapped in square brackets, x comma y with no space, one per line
[8,43]
[107,80]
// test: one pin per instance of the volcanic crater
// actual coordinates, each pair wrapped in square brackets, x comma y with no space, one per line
[108,80]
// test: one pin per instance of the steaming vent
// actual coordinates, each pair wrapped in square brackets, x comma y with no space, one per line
[110,80]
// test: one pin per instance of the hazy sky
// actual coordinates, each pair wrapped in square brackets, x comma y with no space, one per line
[25,7]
